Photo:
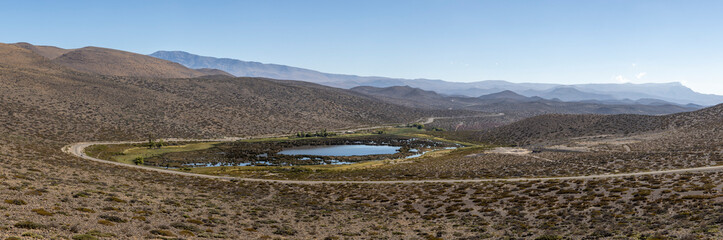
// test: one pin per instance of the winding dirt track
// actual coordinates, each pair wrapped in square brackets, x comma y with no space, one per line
[431,119]
[77,149]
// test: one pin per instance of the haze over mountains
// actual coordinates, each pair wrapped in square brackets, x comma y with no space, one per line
[604,93]
[509,102]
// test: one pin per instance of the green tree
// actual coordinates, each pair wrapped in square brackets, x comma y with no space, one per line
[138,161]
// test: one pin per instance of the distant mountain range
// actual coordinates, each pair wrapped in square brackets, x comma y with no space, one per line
[613,93]
[510,102]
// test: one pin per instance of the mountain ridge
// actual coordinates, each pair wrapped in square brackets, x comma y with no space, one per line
[510,102]
[671,92]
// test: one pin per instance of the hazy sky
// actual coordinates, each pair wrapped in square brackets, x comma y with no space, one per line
[518,41]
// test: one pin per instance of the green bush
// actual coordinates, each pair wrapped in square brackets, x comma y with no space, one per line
[138,161]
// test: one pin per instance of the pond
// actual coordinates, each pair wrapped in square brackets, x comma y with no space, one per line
[304,151]
[340,150]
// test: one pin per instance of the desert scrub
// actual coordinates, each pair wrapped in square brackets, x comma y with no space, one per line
[548,237]
[29,225]
[115,209]
[33,235]
[87,210]
[113,218]
[81,195]
[42,212]
[84,237]
[115,199]
[195,221]
[98,233]
[285,230]
[182,226]
[106,222]
[164,233]
[15,201]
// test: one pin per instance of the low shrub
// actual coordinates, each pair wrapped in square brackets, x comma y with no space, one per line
[15,201]
[42,212]
[113,218]
[165,233]
[84,237]
[29,225]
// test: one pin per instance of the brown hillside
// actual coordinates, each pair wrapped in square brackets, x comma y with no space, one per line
[12,55]
[701,118]
[49,52]
[409,96]
[120,63]
[211,71]
[42,99]
[560,126]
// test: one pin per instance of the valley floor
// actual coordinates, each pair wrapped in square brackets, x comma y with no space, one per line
[91,199]
[78,150]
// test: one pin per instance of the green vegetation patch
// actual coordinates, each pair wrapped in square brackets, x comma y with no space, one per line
[126,153]
[261,153]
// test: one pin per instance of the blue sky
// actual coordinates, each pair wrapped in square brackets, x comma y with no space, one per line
[519,41]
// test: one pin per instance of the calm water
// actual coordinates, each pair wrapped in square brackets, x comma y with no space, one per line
[340,150]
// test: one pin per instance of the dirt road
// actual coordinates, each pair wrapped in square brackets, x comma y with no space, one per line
[431,119]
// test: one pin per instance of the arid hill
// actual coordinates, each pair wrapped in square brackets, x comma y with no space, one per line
[557,126]
[120,63]
[408,96]
[41,98]
[552,127]
[211,71]
[49,52]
